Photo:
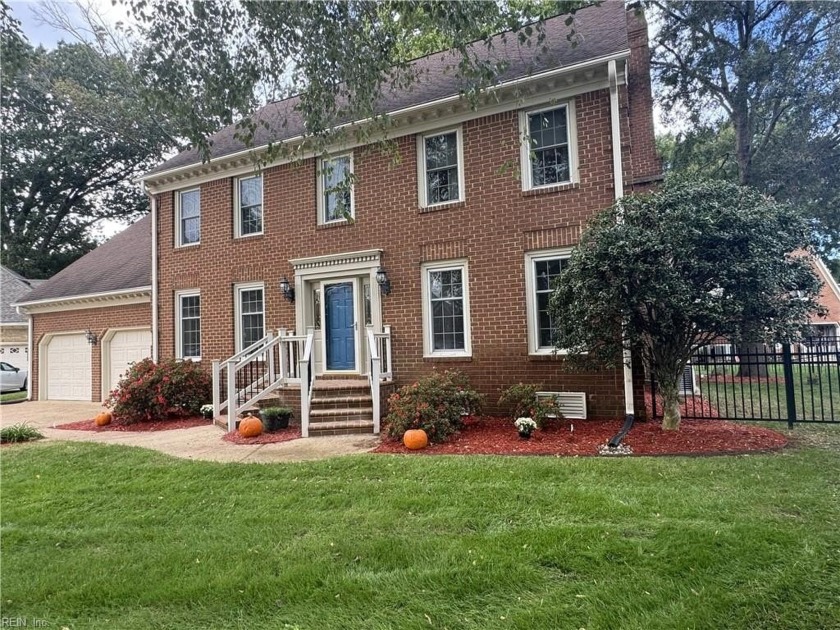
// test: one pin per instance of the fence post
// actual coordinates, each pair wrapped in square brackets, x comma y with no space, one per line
[787,366]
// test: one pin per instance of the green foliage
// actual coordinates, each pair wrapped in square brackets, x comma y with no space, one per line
[76,133]
[680,267]
[275,418]
[155,391]
[522,402]
[435,404]
[760,83]
[19,433]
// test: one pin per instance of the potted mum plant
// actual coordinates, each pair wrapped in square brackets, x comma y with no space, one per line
[525,426]
[207,411]
[276,418]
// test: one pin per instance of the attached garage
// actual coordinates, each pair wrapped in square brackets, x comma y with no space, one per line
[121,348]
[16,354]
[68,368]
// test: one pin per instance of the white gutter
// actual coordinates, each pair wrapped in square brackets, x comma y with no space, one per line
[618,178]
[77,298]
[154,282]
[29,359]
[400,112]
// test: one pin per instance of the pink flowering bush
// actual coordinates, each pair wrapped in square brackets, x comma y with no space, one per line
[435,404]
[156,391]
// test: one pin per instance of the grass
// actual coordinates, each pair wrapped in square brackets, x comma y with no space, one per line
[816,392]
[19,433]
[110,536]
[12,396]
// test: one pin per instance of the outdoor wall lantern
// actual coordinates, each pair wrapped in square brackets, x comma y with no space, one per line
[382,281]
[91,337]
[287,290]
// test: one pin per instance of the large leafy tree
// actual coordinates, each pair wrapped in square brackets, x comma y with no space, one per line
[667,273]
[758,83]
[76,132]
[215,61]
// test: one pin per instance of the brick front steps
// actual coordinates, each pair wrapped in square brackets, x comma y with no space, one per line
[341,406]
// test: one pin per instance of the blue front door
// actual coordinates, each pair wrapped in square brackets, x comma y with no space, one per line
[340,324]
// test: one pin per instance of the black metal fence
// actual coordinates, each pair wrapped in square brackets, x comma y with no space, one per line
[786,383]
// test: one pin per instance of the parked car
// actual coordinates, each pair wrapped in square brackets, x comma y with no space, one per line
[12,379]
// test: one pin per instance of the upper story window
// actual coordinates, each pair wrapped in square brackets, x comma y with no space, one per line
[187,217]
[548,147]
[541,270]
[441,168]
[249,206]
[446,309]
[335,189]
[188,325]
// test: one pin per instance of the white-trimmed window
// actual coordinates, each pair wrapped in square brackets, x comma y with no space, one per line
[248,204]
[541,270]
[440,163]
[548,152]
[188,325]
[446,309]
[250,314]
[335,189]
[188,217]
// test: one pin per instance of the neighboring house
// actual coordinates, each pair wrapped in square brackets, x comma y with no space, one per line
[447,257]
[93,318]
[828,326]
[14,327]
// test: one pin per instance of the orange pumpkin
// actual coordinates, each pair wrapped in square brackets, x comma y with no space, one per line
[103,418]
[415,439]
[250,427]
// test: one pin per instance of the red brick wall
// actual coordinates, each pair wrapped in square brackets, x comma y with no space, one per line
[492,228]
[828,298]
[99,320]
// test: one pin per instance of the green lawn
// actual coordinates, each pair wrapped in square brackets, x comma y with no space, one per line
[12,396]
[100,536]
[816,392]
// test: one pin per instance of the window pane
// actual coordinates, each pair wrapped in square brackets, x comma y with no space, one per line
[190,216]
[447,309]
[442,168]
[250,205]
[251,308]
[190,230]
[337,192]
[545,273]
[190,326]
[441,151]
[250,191]
[190,203]
[549,139]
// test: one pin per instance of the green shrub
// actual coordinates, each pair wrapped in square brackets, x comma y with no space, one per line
[435,404]
[19,433]
[522,402]
[156,391]
[275,418]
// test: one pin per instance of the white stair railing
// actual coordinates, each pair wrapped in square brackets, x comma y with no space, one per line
[255,372]
[374,376]
[383,348]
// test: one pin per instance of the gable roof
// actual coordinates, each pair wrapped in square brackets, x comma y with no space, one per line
[601,31]
[13,287]
[122,263]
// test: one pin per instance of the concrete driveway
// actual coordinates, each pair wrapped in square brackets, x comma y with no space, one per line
[198,443]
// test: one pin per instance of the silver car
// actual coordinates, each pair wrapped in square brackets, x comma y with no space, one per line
[12,379]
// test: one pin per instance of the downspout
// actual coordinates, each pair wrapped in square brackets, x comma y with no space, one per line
[154,281]
[29,358]
[618,178]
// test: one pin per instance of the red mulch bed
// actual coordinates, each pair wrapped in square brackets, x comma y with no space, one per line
[498,436]
[282,435]
[689,406]
[121,425]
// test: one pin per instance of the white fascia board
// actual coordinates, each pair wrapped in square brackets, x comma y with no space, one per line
[247,155]
[137,295]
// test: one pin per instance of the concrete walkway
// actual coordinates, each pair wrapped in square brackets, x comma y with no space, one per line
[198,443]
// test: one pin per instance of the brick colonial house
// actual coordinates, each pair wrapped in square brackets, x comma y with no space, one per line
[91,319]
[284,284]
[14,327]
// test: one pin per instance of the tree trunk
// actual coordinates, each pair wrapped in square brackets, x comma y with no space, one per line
[671,407]
[752,359]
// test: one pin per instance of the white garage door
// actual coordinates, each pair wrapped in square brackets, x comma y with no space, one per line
[68,368]
[127,346]
[17,355]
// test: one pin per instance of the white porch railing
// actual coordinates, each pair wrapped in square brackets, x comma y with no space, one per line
[379,368]
[255,372]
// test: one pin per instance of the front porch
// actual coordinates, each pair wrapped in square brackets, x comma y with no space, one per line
[280,370]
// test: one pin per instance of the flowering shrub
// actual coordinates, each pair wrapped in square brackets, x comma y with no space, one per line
[522,401]
[525,425]
[435,404]
[155,391]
